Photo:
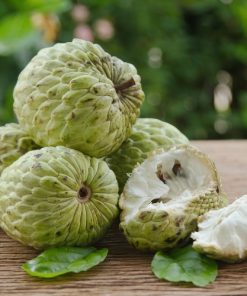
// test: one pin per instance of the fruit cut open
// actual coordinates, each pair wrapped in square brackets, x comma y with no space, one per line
[165,195]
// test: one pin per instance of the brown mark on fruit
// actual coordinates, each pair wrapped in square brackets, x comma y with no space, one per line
[36,165]
[144,214]
[58,233]
[125,85]
[164,215]
[171,239]
[178,221]
[154,227]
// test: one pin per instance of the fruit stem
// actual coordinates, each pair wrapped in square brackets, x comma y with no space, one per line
[125,85]
[84,193]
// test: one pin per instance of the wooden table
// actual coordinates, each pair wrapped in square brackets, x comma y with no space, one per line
[127,271]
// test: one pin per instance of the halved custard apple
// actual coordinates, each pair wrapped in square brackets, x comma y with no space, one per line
[166,194]
[222,233]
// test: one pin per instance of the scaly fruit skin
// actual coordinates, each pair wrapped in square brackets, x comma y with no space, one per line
[165,222]
[14,142]
[57,196]
[147,135]
[76,95]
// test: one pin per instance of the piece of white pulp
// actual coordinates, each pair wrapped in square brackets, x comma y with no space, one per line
[222,233]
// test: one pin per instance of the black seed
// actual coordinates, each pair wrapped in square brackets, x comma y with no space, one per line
[155,200]
[177,168]
[161,177]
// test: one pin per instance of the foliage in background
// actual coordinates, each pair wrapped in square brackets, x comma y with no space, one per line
[191,54]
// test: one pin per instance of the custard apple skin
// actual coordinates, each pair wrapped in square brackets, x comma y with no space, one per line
[165,225]
[14,142]
[57,196]
[76,95]
[148,134]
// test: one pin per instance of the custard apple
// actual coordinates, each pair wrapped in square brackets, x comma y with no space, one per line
[222,233]
[147,134]
[14,142]
[164,196]
[57,196]
[76,95]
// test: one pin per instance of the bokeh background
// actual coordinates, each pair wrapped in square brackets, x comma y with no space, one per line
[191,55]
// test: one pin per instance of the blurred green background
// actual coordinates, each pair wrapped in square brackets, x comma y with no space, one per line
[191,55]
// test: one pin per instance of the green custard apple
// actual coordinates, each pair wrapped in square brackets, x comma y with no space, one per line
[76,95]
[147,135]
[222,233]
[166,194]
[14,142]
[57,196]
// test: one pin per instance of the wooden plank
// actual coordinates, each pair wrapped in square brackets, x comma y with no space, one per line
[127,271]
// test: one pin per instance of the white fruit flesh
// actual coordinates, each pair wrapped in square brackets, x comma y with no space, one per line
[192,178]
[166,194]
[222,233]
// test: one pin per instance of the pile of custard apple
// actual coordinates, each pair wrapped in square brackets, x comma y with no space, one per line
[79,156]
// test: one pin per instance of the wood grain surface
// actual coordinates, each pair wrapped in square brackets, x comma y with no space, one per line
[127,271]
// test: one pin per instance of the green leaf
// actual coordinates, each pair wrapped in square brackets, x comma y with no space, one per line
[184,265]
[56,261]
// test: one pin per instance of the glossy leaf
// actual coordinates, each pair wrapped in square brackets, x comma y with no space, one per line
[184,265]
[57,261]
